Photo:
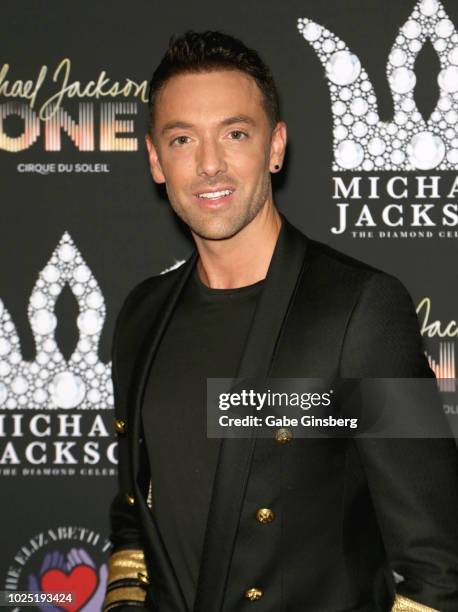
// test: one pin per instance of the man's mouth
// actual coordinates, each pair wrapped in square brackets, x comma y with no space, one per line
[213,195]
[216,199]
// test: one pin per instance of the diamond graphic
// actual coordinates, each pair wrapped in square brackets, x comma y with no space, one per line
[50,381]
[410,142]
[426,151]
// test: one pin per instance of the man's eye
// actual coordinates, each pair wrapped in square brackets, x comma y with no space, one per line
[180,140]
[238,134]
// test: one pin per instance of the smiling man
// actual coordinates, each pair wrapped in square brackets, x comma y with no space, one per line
[215,154]
[280,524]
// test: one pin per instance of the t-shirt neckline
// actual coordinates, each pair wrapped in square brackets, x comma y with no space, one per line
[212,291]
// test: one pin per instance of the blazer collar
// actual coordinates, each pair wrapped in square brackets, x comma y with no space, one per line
[235,455]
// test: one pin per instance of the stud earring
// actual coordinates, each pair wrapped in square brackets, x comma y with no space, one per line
[276,166]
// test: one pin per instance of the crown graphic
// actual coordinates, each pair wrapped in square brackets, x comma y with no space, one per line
[51,381]
[361,140]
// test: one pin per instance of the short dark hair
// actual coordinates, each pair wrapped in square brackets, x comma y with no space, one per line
[213,50]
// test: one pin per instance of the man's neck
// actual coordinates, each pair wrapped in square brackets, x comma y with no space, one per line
[243,259]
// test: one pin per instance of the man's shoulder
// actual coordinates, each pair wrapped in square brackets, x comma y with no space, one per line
[350,276]
[150,286]
[339,261]
[145,298]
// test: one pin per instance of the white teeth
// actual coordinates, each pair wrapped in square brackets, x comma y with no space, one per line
[214,194]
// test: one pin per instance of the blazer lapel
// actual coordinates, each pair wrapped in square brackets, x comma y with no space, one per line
[161,565]
[235,455]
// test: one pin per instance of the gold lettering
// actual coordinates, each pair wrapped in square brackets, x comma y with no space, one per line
[21,89]
[48,105]
[89,90]
[3,73]
[40,80]
[434,328]
[103,86]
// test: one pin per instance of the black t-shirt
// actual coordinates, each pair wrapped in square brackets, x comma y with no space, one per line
[205,338]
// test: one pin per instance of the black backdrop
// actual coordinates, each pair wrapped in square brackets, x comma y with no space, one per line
[55,520]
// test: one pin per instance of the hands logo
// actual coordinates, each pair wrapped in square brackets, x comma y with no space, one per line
[62,560]
[78,575]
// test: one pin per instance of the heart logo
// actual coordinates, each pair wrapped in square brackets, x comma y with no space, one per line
[81,581]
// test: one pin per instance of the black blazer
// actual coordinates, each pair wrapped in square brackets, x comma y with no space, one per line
[347,512]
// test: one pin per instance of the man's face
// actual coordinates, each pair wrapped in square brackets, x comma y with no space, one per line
[214,148]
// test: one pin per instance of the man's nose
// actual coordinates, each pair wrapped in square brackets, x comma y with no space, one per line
[210,158]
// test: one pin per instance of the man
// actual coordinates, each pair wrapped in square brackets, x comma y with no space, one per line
[280,524]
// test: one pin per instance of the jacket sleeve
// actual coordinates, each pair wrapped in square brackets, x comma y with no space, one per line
[127,572]
[413,481]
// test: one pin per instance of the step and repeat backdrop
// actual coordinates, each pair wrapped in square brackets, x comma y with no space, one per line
[369,91]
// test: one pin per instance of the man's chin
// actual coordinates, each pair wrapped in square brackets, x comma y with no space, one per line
[221,234]
[215,229]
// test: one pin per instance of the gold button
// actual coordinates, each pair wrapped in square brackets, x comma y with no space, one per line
[120,426]
[130,499]
[253,594]
[143,577]
[265,515]
[283,435]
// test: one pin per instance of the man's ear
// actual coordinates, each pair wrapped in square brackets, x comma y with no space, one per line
[154,163]
[278,146]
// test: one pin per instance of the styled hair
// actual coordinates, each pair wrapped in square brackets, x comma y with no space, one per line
[195,52]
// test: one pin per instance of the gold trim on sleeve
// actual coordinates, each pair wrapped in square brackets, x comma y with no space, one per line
[126,563]
[122,594]
[404,604]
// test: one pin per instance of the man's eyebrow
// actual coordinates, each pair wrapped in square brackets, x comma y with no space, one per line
[238,119]
[171,125]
